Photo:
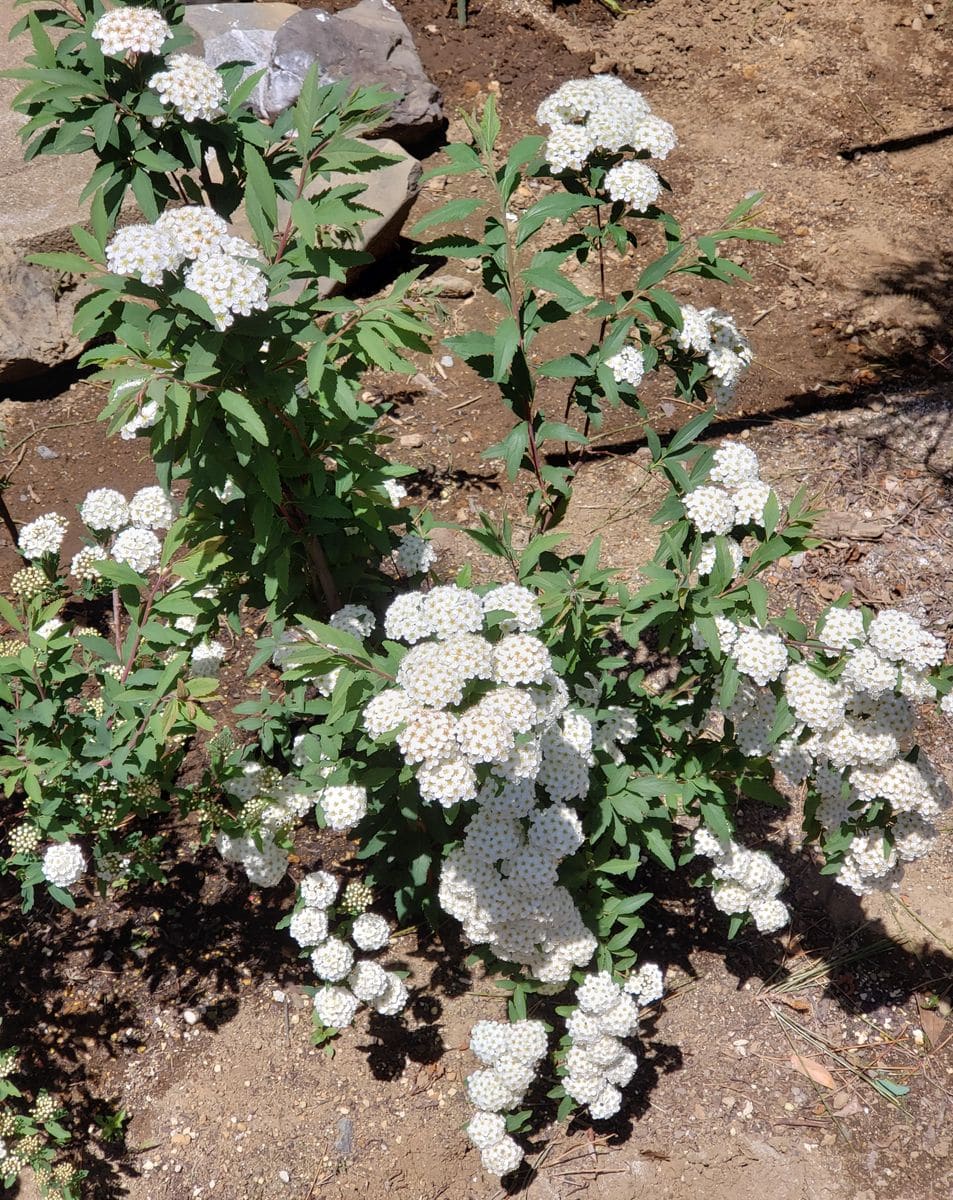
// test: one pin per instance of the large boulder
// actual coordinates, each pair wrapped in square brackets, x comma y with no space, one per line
[369,44]
[239,32]
[36,317]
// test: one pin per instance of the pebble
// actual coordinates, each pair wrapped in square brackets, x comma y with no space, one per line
[278,996]
[191,1017]
[284,1176]
[452,287]
[46,453]
[412,441]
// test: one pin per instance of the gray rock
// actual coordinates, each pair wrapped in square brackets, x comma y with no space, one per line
[36,318]
[369,44]
[239,32]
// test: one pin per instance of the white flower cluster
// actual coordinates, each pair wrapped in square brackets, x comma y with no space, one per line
[141,30]
[207,658]
[746,881]
[189,85]
[633,183]
[598,1064]
[713,333]
[735,497]
[145,418]
[602,113]
[414,555]
[144,252]
[396,492]
[228,285]
[853,707]
[217,270]
[63,864]
[199,232]
[462,702]
[628,366]
[510,1054]
[272,805]
[105,510]
[42,536]
[348,981]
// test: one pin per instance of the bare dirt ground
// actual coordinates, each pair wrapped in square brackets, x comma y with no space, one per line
[841,114]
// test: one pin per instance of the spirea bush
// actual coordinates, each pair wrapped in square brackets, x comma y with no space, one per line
[497,752]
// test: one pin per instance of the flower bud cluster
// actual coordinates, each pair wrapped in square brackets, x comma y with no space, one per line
[604,115]
[598,1063]
[348,981]
[511,1054]
[481,716]
[746,881]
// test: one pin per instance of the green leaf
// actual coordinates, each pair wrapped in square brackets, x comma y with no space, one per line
[714,817]
[656,271]
[557,206]
[240,408]
[145,195]
[689,433]
[504,347]
[453,210]
[657,845]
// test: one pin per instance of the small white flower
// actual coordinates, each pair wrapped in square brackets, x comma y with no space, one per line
[370,932]
[131,27]
[63,864]
[140,548]
[190,86]
[105,508]
[151,508]
[42,536]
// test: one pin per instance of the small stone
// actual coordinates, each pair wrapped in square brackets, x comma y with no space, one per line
[191,1017]
[411,441]
[916,24]
[278,996]
[284,1176]
[452,287]
[46,453]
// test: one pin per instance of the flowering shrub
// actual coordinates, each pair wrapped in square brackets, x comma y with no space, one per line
[95,716]
[497,752]
[31,1135]
[228,354]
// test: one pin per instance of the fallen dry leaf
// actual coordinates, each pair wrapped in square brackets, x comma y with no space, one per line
[932,1024]
[795,1002]
[813,1070]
